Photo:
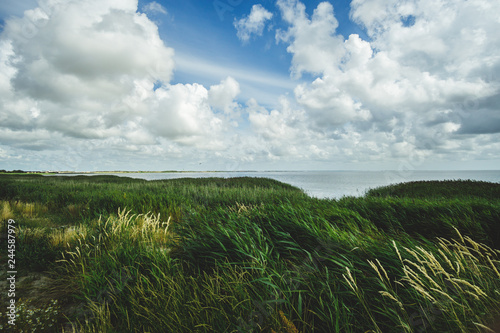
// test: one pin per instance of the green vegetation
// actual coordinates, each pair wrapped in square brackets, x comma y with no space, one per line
[458,189]
[35,319]
[252,254]
[13,171]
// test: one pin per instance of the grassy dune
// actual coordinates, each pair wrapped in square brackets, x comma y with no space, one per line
[252,254]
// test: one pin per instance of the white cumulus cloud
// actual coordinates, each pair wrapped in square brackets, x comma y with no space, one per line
[98,72]
[223,95]
[312,41]
[426,79]
[91,81]
[253,24]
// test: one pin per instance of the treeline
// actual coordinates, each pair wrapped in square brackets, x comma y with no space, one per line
[22,171]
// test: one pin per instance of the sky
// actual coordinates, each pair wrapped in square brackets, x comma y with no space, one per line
[228,85]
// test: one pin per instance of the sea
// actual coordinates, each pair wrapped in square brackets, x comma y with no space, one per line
[333,184]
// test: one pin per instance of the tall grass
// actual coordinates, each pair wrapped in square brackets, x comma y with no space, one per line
[244,255]
[243,283]
[11,209]
[454,284]
[431,218]
[91,197]
[444,189]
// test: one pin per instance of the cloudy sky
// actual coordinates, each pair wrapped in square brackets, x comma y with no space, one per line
[249,85]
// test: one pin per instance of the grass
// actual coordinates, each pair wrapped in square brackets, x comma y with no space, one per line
[251,254]
[463,189]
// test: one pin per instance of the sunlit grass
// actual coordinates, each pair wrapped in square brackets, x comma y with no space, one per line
[7,212]
[11,209]
[65,237]
[456,281]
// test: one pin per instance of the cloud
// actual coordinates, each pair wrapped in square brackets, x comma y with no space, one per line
[425,79]
[90,71]
[153,8]
[436,40]
[254,82]
[313,42]
[97,72]
[182,113]
[223,95]
[89,46]
[86,83]
[253,24]
[80,62]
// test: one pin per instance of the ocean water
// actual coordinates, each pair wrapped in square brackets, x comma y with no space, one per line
[335,184]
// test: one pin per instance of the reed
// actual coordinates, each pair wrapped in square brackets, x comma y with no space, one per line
[249,254]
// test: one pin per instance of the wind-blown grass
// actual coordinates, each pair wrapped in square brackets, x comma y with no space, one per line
[445,189]
[241,255]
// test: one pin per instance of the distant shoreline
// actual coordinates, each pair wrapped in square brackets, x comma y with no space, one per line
[50,172]
[129,172]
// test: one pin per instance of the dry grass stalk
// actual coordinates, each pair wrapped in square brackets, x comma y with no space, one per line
[446,295]
[414,254]
[350,280]
[397,251]
[376,269]
[484,327]
[424,272]
[445,257]
[411,276]
[287,323]
[459,235]
[389,295]
[468,284]
[493,266]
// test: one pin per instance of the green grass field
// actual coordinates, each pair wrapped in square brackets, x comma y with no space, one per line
[115,254]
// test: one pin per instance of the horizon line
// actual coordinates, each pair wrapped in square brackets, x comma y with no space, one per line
[227,171]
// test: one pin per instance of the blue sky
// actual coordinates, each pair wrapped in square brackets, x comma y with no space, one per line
[239,85]
[204,31]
